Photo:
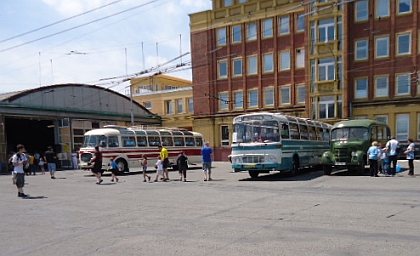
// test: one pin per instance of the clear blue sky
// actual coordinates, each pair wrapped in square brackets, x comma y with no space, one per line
[44,42]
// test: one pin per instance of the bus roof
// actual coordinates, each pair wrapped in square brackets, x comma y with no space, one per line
[357,123]
[117,130]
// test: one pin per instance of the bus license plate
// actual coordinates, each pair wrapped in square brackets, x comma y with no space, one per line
[250,166]
[340,163]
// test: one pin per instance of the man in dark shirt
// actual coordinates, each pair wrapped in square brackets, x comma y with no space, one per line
[51,159]
[97,164]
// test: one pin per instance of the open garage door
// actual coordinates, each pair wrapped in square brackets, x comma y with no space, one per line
[36,135]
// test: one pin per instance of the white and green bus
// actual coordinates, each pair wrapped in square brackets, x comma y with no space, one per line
[264,142]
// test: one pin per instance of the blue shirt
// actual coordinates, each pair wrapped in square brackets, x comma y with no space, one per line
[113,165]
[373,152]
[206,153]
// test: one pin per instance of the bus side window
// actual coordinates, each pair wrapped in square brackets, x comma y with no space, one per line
[294,131]
[198,141]
[179,141]
[303,132]
[312,133]
[319,133]
[113,142]
[189,141]
[102,141]
[141,141]
[128,141]
[167,141]
[284,131]
[154,141]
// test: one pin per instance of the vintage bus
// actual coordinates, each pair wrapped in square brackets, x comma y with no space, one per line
[127,145]
[264,142]
[350,140]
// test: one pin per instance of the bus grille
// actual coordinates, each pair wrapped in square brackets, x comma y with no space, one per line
[253,159]
[342,155]
[85,157]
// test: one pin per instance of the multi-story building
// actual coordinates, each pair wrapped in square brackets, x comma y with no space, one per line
[323,59]
[167,96]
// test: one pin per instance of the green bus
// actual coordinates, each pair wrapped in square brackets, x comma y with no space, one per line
[350,140]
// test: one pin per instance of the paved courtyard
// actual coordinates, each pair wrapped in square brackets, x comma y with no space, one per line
[309,214]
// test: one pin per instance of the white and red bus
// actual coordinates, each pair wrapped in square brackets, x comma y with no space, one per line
[128,145]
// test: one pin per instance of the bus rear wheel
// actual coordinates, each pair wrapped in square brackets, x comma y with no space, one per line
[254,174]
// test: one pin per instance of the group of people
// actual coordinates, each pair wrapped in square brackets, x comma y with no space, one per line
[161,166]
[22,162]
[384,159]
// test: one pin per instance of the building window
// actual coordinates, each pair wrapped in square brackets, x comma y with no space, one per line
[285,95]
[237,67]
[326,31]
[239,99]
[253,98]
[225,135]
[361,50]
[285,60]
[404,44]
[362,10]
[404,6]
[381,84]
[169,107]
[251,31]
[269,96]
[418,126]
[268,61]
[190,105]
[300,58]
[326,107]
[242,1]
[403,126]
[237,34]
[284,28]
[223,68]
[301,22]
[147,104]
[180,106]
[252,65]
[382,47]
[228,3]
[382,118]
[267,28]
[326,68]
[301,94]
[361,88]
[382,8]
[223,101]
[403,84]
[221,36]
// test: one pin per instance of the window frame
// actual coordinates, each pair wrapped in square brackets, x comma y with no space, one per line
[219,69]
[234,63]
[405,12]
[285,90]
[223,101]
[358,6]
[179,106]
[249,35]
[400,44]
[385,89]
[361,49]
[282,65]
[267,32]
[299,100]
[300,22]
[400,133]
[378,47]
[238,103]
[361,94]
[382,4]
[265,70]
[283,30]
[236,37]
[253,103]
[248,63]
[267,93]
[398,80]
[221,39]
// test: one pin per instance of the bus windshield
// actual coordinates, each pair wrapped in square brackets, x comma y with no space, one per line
[349,133]
[256,131]
[93,140]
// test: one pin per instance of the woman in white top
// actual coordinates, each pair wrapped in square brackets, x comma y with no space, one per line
[410,156]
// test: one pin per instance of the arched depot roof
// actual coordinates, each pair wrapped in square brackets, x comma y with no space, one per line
[75,101]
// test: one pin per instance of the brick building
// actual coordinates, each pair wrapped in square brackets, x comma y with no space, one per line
[321,59]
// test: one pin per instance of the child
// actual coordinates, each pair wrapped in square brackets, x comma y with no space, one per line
[159,168]
[113,167]
[182,163]
[42,165]
[143,163]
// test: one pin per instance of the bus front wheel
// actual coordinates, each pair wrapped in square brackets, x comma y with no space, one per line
[254,174]
[122,165]
[327,169]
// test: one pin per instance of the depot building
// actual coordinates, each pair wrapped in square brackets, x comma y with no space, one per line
[59,115]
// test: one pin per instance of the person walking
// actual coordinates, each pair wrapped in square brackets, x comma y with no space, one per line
[143,163]
[113,167]
[182,163]
[42,165]
[373,153]
[97,165]
[164,156]
[206,153]
[410,156]
[159,169]
[50,159]
[75,160]
[19,162]
[37,157]
[392,148]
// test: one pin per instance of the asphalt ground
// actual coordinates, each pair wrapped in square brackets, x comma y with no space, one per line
[309,214]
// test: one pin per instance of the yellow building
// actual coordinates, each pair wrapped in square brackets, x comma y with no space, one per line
[169,97]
